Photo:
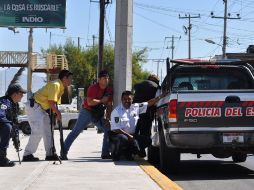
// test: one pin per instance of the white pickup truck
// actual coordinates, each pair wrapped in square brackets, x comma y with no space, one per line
[68,121]
[208,109]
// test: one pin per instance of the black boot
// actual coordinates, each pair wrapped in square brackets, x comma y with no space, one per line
[4,161]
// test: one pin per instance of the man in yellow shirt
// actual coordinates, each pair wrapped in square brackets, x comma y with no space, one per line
[45,100]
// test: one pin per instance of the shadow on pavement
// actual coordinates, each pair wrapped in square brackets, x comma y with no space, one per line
[98,159]
[211,170]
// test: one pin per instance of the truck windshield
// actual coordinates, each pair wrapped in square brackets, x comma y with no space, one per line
[211,78]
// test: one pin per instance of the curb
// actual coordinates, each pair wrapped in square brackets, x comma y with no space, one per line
[163,181]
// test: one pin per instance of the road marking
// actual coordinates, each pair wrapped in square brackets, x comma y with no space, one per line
[30,179]
[163,181]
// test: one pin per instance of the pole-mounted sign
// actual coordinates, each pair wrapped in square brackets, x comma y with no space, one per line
[33,13]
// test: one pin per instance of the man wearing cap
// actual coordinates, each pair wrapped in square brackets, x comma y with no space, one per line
[44,102]
[8,116]
[97,95]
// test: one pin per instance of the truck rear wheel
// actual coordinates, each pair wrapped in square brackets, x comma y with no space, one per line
[169,157]
[239,157]
[72,124]
[153,155]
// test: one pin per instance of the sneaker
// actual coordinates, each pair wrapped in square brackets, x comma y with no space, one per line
[63,157]
[106,156]
[54,157]
[30,158]
[142,153]
[6,163]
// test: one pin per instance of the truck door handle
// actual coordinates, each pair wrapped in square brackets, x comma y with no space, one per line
[232,99]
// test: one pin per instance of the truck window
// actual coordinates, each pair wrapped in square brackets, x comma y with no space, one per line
[220,78]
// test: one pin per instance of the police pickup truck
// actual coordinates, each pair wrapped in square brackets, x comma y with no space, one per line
[208,109]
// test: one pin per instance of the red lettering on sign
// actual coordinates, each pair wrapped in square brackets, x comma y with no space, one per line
[202,112]
[250,111]
[233,112]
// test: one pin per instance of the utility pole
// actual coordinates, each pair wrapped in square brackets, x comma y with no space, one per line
[101,37]
[78,42]
[172,47]
[100,65]
[158,65]
[189,29]
[226,16]
[123,48]
[93,40]
[30,63]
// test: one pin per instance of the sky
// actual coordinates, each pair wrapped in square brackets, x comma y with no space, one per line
[154,24]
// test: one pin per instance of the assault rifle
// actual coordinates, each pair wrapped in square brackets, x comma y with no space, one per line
[15,139]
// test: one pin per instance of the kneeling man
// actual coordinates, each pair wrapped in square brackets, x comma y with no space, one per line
[124,141]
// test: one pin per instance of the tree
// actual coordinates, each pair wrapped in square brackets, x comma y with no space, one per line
[84,62]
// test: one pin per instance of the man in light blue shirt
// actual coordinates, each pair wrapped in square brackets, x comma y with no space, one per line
[124,119]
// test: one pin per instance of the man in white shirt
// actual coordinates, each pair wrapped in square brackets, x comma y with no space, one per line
[124,119]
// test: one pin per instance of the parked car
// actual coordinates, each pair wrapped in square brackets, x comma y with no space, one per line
[68,121]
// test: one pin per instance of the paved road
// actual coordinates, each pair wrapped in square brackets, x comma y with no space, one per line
[84,170]
[209,173]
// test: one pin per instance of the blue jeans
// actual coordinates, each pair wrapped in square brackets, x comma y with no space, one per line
[5,135]
[85,118]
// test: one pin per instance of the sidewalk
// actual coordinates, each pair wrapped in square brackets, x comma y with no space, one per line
[84,170]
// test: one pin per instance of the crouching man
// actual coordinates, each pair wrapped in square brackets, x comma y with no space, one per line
[124,118]
[8,116]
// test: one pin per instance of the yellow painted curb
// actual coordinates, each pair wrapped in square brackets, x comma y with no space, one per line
[163,181]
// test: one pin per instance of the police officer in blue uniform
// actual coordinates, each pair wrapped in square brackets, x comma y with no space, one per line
[8,116]
[124,118]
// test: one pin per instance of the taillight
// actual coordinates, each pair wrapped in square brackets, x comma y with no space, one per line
[172,107]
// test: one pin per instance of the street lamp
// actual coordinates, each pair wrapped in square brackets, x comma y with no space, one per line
[13,29]
[212,42]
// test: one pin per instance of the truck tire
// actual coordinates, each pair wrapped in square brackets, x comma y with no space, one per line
[169,157]
[71,124]
[239,157]
[25,127]
[153,155]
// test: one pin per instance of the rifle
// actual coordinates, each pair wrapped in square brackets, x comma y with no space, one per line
[52,124]
[60,128]
[15,139]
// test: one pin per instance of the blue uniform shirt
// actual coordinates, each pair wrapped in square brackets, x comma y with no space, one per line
[126,119]
[8,110]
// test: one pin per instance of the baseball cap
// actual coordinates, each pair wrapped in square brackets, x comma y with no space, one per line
[153,78]
[103,73]
[15,88]
[64,73]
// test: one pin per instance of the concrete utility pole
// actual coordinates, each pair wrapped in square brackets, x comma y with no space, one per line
[78,42]
[30,62]
[158,61]
[123,48]
[226,16]
[172,47]
[189,29]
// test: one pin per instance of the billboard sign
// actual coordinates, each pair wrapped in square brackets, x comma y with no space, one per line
[33,13]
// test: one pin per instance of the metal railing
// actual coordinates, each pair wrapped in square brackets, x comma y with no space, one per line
[13,59]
